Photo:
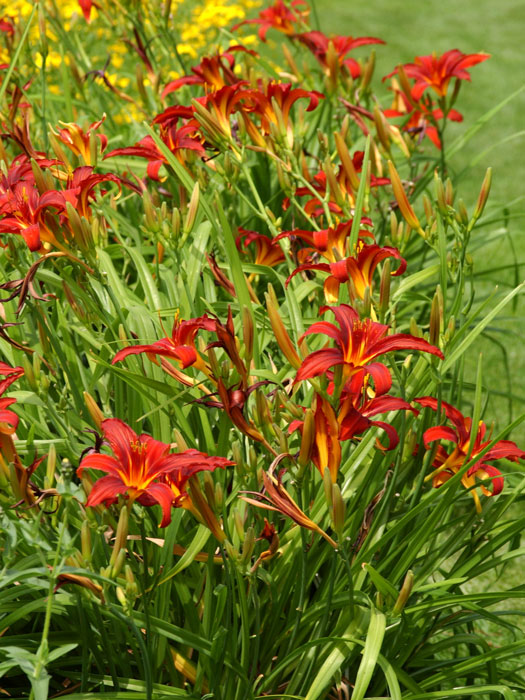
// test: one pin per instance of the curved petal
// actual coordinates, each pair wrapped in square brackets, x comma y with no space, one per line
[440,432]
[164,497]
[120,437]
[103,463]
[106,490]
[393,437]
[319,362]
[381,376]
[402,341]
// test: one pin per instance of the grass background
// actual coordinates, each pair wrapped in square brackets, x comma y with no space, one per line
[412,28]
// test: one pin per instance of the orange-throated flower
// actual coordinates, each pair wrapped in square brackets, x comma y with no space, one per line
[143,469]
[285,18]
[359,269]
[358,344]
[8,419]
[334,56]
[79,141]
[436,72]
[268,251]
[447,464]
[420,118]
[213,72]
[329,242]
[180,347]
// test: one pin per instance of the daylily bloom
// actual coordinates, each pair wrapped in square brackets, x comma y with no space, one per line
[356,408]
[272,104]
[359,269]
[268,251]
[359,343]
[284,18]
[213,72]
[85,6]
[347,188]
[26,212]
[331,51]
[329,242]
[142,469]
[79,141]
[8,419]
[436,72]
[420,117]
[180,347]
[447,464]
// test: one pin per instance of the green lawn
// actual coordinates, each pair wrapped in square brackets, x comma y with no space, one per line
[413,28]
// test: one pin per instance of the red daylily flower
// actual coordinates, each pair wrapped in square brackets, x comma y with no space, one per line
[8,419]
[329,242]
[213,71]
[85,6]
[359,269]
[79,141]
[268,251]
[25,212]
[333,57]
[421,117]
[436,72]
[280,16]
[446,465]
[143,469]
[358,344]
[313,206]
[356,408]
[180,347]
[276,97]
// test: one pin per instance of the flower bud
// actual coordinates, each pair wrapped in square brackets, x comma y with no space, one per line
[120,536]
[179,440]
[238,522]
[368,71]
[281,335]
[404,594]
[401,198]
[436,317]
[204,510]
[441,196]
[414,329]
[85,541]
[327,485]
[307,439]
[248,546]
[94,411]
[119,563]
[379,121]
[384,287]
[346,161]
[209,490]
[482,198]
[50,466]
[192,209]
[247,334]
[429,211]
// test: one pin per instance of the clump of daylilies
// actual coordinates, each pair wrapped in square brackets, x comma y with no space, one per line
[313,266]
